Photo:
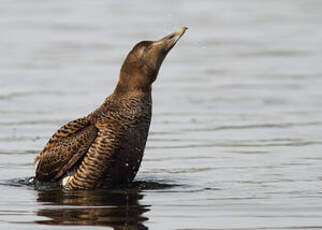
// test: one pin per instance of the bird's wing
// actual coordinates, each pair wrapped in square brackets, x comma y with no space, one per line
[68,145]
[100,157]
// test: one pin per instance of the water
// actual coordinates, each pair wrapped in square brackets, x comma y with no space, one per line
[235,140]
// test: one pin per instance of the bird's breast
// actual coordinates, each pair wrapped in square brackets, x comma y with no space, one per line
[129,154]
[135,122]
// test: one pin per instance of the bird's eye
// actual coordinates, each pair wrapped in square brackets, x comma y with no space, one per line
[146,48]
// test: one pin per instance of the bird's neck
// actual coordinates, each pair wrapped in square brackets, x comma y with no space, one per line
[125,89]
[132,82]
[121,93]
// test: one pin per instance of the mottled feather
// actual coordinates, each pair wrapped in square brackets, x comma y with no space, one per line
[64,149]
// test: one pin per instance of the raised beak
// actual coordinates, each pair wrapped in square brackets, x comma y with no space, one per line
[170,40]
[176,35]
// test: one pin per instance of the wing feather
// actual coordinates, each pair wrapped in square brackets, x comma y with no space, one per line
[99,158]
[64,149]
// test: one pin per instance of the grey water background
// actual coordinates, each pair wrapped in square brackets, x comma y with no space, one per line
[236,135]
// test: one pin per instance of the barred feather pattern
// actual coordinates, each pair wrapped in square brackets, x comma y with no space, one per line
[116,153]
[112,141]
[64,148]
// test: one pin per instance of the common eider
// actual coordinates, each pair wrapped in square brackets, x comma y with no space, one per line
[106,147]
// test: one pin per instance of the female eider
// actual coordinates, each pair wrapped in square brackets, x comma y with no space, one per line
[106,147]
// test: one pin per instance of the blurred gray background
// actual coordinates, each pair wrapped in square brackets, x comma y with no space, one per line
[235,140]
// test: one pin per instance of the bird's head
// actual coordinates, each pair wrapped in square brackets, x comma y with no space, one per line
[142,64]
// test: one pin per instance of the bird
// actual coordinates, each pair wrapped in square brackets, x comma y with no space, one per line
[105,148]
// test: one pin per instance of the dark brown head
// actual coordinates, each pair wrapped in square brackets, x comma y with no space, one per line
[141,66]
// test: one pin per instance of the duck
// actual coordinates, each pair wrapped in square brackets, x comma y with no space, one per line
[106,147]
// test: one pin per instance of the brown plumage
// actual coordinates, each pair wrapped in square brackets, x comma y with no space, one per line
[106,147]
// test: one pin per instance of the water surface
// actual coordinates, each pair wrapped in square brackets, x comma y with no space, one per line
[235,140]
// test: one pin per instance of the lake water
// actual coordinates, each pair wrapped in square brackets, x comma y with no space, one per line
[236,134]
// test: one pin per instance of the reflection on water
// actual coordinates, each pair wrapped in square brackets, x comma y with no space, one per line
[120,209]
[237,115]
